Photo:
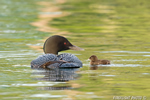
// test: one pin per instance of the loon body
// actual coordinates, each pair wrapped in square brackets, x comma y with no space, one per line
[51,59]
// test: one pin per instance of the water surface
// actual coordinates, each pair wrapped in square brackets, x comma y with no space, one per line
[118,31]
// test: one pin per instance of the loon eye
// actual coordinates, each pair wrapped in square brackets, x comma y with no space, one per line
[65,43]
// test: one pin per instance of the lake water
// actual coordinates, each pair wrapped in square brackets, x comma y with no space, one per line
[114,30]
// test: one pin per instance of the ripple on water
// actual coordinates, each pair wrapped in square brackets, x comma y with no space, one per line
[89,96]
[33,84]
[51,13]
[147,55]
[145,73]
[119,65]
[129,65]
[18,65]
[108,75]
[12,31]
[17,54]
[131,60]
[37,44]
[20,71]
[47,95]
[122,52]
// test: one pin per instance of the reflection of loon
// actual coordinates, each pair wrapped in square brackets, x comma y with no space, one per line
[58,75]
[51,60]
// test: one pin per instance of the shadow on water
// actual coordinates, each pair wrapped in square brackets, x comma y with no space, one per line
[60,75]
[99,67]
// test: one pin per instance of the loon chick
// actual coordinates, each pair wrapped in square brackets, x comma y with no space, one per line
[51,59]
[95,61]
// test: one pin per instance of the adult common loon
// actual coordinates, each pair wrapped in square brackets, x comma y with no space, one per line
[51,59]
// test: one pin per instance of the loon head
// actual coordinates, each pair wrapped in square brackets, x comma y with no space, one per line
[57,43]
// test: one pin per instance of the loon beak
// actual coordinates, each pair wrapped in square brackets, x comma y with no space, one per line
[73,47]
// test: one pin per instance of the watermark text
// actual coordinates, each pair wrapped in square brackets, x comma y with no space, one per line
[129,98]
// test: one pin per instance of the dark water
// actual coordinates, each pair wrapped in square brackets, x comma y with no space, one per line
[118,31]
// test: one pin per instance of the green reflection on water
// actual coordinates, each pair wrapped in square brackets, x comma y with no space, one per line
[99,26]
[16,34]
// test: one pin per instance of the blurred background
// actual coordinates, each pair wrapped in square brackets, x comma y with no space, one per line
[116,30]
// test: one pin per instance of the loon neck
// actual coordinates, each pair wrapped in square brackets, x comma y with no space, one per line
[53,51]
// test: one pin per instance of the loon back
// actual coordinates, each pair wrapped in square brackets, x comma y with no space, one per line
[71,61]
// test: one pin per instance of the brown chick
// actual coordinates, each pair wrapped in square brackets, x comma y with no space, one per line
[95,61]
